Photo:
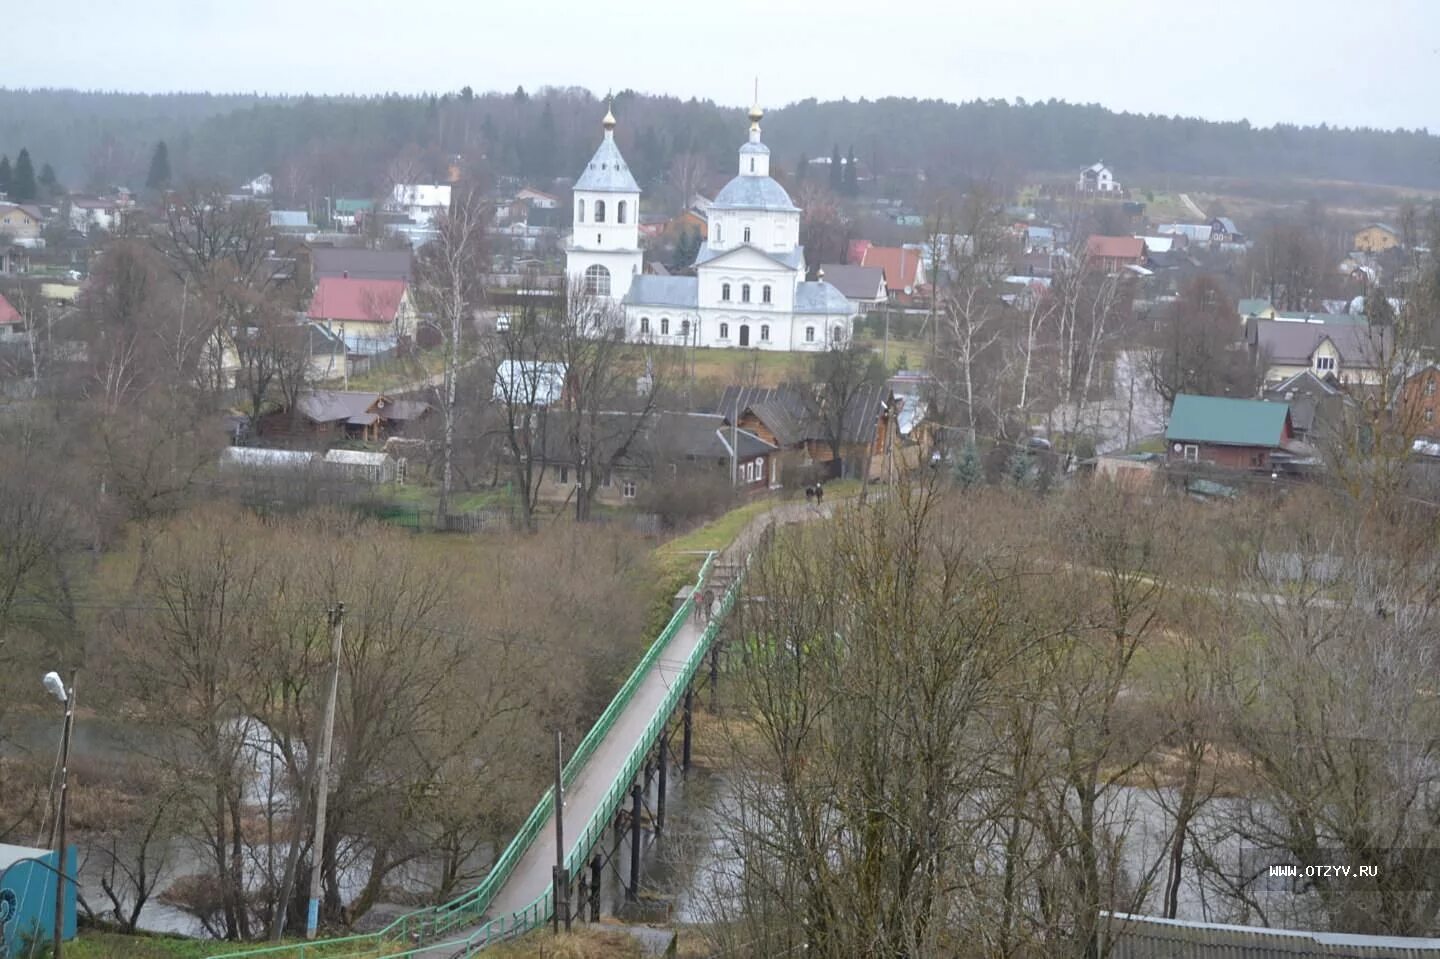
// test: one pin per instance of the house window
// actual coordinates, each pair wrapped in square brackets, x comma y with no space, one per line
[599,211]
[627,489]
[620,212]
[605,480]
[581,206]
[664,326]
[747,229]
[764,332]
[685,329]
[1192,453]
[644,324]
[597,280]
[744,292]
[1429,416]
[1430,388]
[724,331]
[725,292]
[765,293]
[1325,364]
[562,473]
[809,334]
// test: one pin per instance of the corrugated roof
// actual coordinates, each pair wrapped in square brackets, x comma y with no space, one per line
[607,172]
[901,266]
[754,193]
[342,299]
[355,458]
[1119,247]
[289,218]
[254,457]
[1227,422]
[676,292]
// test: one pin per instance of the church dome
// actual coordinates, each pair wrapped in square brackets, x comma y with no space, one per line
[755,148]
[754,193]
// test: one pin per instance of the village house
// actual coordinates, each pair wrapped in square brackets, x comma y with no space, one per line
[1112,254]
[538,199]
[372,316]
[358,264]
[334,415]
[99,213]
[1419,403]
[1193,234]
[1348,353]
[863,286]
[421,203]
[1097,178]
[10,319]
[904,268]
[1316,405]
[1376,238]
[350,214]
[1223,230]
[670,446]
[1225,432]
[870,442]
[21,222]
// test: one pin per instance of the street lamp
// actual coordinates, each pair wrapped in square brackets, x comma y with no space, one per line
[55,686]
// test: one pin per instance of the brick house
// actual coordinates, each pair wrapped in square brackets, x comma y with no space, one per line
[1419,405]
[1229,433]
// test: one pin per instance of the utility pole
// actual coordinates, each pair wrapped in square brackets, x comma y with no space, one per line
[322,778]
[63,875]
[562,882]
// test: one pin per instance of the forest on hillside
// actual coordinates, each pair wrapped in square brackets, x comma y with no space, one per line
[334,146]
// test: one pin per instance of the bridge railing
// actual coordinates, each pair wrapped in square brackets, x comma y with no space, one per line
[469,908]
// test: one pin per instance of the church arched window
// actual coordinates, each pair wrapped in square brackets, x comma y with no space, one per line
[620,212]
[765,293]
[724,331]
[809,334]
[764,332]
[597,281]
[664,326]
[744,292]
[837,334]
[725,292]
[599,211]
[747,234]
[644,325]
[685,329]
[580,207]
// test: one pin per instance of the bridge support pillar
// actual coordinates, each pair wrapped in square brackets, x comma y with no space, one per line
[596,864]
[637,796]
[689,731]
[714,673]
[664,775]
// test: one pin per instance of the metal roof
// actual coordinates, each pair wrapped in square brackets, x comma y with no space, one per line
[794,257]
[754,193]
[679,292]
[757,148]
[819,296]
[856,282]
[253,457]
[1227,422]
[1292,343]
[606,172]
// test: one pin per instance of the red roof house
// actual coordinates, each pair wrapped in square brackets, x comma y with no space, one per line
[1111,253]
[9,316]
[904,269]
[379,309]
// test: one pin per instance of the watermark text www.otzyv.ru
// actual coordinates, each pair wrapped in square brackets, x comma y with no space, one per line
[1333,871]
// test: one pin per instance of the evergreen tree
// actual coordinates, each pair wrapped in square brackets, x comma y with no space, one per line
[968,471]
[22,180]
[852,180]
[836,169]
[48,180]
[5,174]
[1018,471]
[801,168]
[159,177]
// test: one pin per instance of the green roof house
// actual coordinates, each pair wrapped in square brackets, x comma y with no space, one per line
[1230,433]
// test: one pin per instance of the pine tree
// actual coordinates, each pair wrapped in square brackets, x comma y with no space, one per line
[5,174]
[852,179]
[22,181]
[836,170]
[801,168]
[159,177]
[968,472]
[1017,470]
[48,180]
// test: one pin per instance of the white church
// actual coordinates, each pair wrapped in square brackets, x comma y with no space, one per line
[749,289]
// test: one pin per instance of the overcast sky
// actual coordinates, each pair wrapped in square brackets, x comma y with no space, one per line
[1341,62]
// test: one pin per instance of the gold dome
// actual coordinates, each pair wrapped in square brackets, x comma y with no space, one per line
[609,121]
[756,113]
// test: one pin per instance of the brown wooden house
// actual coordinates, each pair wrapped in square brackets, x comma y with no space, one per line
[792,419]
[341,414]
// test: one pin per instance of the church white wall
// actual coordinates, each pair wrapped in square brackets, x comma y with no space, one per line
[780,280]
[624,266]
[611,234]
[721,329]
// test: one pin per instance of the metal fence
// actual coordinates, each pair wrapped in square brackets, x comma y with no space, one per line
[1125,936]
[467,911]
